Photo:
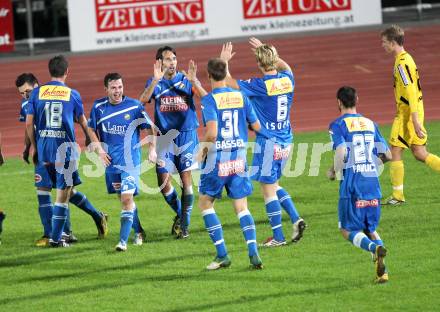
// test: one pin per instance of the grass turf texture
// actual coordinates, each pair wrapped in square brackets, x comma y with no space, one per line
[322,272]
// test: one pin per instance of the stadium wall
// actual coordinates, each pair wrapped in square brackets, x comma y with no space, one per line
[107,24]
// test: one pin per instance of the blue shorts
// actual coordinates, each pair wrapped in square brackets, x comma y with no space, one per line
[231,174]
[46,176]
[122,182]
[269,160]
[359,215]
[178,157]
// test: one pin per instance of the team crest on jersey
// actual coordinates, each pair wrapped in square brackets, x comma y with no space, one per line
[127,116]
[358,124]
[38,178]
[278,86]
[59,93]
[228,100]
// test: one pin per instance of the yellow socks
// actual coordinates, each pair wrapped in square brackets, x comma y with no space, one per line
[433,162]
[397,172]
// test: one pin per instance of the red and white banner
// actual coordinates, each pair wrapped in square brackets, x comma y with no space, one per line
[106,24]
[6,26]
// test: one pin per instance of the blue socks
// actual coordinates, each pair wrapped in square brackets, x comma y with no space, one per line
[359,239]
[60,212]
[187,205]
[137,227]
[174,202]
[273,211]
[80,200]
[288,205]
[215,231]
[45,211]
[248,227]
[126,225]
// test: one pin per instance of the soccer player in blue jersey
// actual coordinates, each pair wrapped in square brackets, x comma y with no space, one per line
[25,83]
[272,97]
[51,111]
[226,115]
[174,113]
[117,120]
[359,151]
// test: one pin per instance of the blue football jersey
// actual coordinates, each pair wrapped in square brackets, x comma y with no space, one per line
[232,111]
[54,107]
[113,123]
[174,104]
[23,110]
[363,142]
[272,98]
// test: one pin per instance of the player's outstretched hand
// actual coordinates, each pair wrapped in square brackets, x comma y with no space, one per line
[26,155]
[105,158]
[255,43]
[157,70]
[227,54]
[191,74]
[331,174]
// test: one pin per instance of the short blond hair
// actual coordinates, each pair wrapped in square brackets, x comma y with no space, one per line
[267,57]
[394,33]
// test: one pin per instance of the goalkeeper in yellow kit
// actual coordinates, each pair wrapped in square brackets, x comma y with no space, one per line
[407,130]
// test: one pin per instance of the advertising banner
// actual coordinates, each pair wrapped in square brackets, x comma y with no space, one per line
[107,24]
[6,26]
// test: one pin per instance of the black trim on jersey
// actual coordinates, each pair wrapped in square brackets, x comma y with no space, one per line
[404,101]
[402,141]
[409,73]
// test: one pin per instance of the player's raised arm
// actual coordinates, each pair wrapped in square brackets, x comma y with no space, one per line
[158,73]
[191,75]
[226,55]
[281,65]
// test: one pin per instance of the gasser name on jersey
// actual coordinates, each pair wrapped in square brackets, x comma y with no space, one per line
[228,144]
[169,104]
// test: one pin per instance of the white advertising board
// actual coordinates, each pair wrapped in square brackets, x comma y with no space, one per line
[107,24]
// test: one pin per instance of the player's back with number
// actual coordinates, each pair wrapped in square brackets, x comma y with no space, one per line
[364,142]
[231,110]
[272,97]
[54,106]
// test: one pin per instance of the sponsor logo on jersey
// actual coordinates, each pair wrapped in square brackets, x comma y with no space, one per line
[60,93]
[359,124]
[114,129]
[279,86]
[231,167]
[281,153]
[367,203]
[169,104]
[228,100]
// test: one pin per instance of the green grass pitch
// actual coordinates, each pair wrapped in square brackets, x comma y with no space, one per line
[323,272]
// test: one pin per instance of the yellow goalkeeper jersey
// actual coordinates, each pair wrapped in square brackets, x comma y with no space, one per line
[407,90]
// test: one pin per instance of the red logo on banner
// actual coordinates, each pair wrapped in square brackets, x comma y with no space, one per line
[6,26]
[133,14]
[269,8]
